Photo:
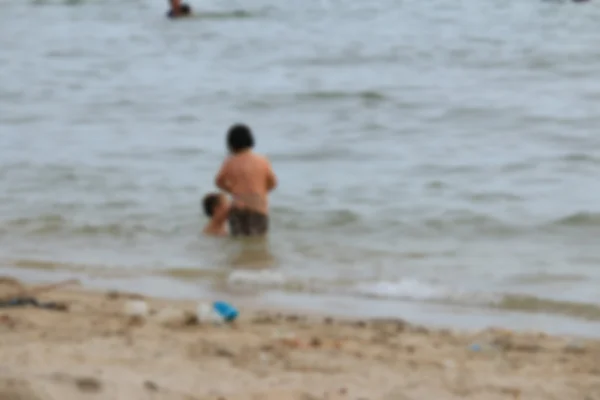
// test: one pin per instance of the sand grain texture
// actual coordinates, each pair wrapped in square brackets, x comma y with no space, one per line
[93,351]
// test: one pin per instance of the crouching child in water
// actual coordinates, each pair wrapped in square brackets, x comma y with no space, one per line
[249,178]
[178,9]
[216,207]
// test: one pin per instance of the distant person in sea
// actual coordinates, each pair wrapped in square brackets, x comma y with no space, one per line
[216,207]
[179,9]
[249,178]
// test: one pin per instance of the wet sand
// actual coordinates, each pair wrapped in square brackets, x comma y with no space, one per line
[93,349]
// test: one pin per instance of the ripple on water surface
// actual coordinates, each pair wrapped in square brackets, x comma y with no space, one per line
[428,152]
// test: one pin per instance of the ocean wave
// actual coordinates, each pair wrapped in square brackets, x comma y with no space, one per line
[489,224]
[407,289]
[69,2]
[233,14]
[542,278]
[344,60]
[192,273]
[273,101]
[43,265]
[402,221]
[291,219]
[260,279]
[581,158]
[532,304]
[490,197]
[365,95]
[51,224]
[463,221]
[94,270]
[416,290]
[318,154]
[578,219]
[411,289]
[342,220]
[266,102]
[453,220]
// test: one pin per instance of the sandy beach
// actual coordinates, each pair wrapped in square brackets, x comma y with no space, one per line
[91,348]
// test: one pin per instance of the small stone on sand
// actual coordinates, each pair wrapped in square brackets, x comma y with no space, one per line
[88,384]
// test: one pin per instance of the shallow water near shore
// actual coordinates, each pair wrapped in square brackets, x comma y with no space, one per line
[436,161]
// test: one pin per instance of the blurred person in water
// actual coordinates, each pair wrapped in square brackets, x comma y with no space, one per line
[216,207]
[249,178]
[178,9]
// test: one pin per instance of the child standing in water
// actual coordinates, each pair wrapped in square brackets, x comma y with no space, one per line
[248,177]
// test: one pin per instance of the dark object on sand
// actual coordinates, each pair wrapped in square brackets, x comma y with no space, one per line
[31,301]
[24,296]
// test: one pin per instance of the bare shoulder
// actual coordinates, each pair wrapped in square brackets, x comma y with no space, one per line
[263,160]
[227,162]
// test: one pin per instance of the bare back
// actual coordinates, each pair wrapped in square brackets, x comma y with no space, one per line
[248,177]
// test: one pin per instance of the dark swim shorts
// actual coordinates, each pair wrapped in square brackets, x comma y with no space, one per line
[244,222]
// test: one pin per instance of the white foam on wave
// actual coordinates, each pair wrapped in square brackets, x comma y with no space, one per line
[408,288]
[417,290]
[264,278]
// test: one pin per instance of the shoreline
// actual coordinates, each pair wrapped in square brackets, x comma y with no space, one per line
[94,348]
[435,315]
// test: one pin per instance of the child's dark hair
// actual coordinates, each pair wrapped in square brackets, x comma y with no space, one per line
[239,138]
[209,203]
